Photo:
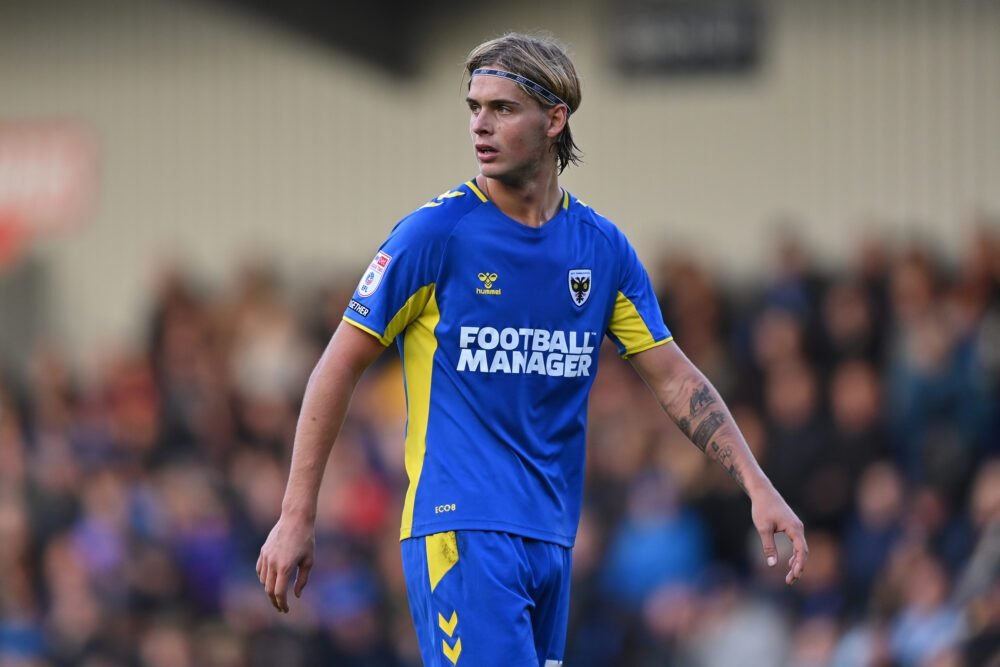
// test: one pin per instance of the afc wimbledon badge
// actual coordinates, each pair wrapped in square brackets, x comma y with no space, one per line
[579,285]
[373,275]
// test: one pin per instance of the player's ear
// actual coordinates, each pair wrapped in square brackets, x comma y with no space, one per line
[558,117]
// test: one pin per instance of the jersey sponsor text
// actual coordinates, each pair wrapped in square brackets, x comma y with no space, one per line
[526,350]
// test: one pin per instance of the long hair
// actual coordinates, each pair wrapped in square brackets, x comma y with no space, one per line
[543,60]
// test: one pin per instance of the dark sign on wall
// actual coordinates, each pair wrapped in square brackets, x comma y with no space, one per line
[686,36]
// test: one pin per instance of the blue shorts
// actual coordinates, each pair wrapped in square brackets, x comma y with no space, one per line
[486,599]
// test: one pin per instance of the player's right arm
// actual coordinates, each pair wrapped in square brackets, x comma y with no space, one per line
[291,543]
[393,291]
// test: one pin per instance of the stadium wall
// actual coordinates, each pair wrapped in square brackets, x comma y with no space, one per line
[223,136]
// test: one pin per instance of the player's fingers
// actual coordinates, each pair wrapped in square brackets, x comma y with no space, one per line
[303,577]
[770,551]
[798,567]
[269,586]
[262,574]
[800,553]
[260,565]
[281,589]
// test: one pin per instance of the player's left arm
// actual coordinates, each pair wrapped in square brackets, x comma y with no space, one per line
[696,407]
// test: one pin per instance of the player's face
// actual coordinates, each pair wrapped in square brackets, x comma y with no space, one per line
[511,132]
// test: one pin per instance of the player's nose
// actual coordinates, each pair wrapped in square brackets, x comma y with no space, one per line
[480,124]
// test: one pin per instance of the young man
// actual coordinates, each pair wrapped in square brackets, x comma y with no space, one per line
[498,294]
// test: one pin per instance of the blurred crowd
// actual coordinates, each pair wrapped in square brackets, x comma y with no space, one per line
[133,503]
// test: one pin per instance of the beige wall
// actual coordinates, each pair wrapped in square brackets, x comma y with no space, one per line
[222,135]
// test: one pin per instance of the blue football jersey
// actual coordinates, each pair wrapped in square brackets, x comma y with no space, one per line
[499,325]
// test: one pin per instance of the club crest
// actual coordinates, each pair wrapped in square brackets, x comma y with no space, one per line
[579,285]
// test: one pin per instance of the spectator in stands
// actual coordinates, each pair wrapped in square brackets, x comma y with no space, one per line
[927,624]
[874,530]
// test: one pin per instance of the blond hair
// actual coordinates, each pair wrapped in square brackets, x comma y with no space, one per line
[543,60]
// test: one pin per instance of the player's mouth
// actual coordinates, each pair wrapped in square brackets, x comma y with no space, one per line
[485,153]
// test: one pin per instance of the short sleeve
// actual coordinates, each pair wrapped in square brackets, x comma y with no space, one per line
[636,321]
[398,282]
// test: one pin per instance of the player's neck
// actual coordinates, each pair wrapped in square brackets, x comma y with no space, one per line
[532,202]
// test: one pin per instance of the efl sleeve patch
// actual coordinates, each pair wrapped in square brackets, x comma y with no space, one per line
[373,275]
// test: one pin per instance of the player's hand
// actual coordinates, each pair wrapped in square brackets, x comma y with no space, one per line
[771,514]
[291,546]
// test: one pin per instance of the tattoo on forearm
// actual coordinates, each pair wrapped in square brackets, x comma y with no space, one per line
[724,455]
[702,431]
[702,423]
[701,399]
[707,428]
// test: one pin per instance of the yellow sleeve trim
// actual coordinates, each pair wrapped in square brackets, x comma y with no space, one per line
[377,335]
[629,328]
[472,186]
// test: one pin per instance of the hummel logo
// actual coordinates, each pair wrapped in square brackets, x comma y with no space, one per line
[488,279]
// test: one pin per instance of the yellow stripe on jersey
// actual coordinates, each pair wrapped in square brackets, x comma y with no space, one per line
[419,345]
[403,317]
[442,555]
[411,311]
[565,199]
[630,329]
[472,186]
